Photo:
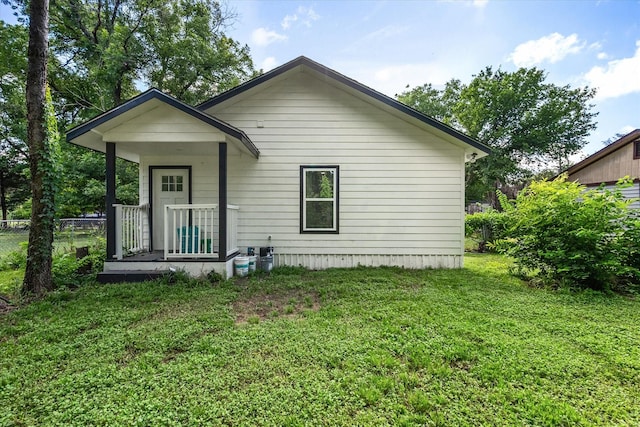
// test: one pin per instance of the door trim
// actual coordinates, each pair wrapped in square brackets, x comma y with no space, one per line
[189,192]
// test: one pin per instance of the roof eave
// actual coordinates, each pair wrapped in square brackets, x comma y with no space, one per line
[626,139]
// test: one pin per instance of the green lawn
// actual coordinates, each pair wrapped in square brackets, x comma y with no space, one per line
[63,241]
[339,347]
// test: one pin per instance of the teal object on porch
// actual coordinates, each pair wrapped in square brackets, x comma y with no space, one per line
[189,239]
[205,246]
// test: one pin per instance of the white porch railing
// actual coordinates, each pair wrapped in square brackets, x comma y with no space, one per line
[191,231]
[131,223]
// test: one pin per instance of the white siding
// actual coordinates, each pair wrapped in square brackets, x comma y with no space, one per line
[401,187]
[204,175]
[163,124]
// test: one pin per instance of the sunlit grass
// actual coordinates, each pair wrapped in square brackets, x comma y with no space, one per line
[340,347]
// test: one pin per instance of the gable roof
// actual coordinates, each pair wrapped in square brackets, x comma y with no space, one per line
[622,142]
[359,87]
[152,94]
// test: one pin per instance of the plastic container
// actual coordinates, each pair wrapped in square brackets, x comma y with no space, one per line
[266,263]
[241,266]
[253,261]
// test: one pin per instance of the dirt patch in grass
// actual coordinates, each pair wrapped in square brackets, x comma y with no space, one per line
[262,306]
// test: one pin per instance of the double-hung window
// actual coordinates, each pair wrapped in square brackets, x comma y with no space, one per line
[319,199]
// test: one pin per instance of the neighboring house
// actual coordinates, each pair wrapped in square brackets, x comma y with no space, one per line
[326,170]
[607,166]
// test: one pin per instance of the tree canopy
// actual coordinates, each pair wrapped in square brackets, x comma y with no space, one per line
[101,52]
[530,124]
[14,184]
[106,48]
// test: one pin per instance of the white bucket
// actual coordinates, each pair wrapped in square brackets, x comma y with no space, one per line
[241,265]
[253,259]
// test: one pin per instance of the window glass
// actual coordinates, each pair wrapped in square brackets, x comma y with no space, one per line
[319,210]
[172,183]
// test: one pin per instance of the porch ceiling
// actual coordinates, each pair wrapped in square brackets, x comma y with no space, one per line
[154,123]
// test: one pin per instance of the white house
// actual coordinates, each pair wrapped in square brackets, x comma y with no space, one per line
[326,170]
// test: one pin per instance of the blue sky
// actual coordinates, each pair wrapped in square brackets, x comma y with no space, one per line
[388,45]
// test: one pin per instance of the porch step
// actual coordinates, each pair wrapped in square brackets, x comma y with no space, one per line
[120,276]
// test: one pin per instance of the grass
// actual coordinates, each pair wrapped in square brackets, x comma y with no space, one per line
[63,241]
[10,281]
[340,347]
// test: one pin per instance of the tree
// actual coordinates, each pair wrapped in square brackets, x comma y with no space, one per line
[528,123]
[14,184]
[110,46]
[82,188]
[613,139]
[42,136]
[102,50]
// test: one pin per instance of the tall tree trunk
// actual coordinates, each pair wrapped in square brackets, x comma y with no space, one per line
[3,198]
[37,278]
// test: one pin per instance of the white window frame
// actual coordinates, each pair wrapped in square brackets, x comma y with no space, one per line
[303,198]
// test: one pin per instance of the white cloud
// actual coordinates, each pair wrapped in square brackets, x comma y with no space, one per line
[551,48]
[268,63]
[263,36]
[385,33]
[288,20]
[627,129]
[305,16]
[602,55]
[479,3]
[619,77]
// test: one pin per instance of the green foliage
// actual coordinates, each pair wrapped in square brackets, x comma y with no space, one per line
[178,46]
[565,234]
[528,123]
[14,260]
[22,211]
[384,347]
[67,270]
[83,182]
[214,277]
[14,179]
[486,227]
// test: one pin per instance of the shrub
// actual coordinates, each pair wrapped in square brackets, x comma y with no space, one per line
[486,227]
[66,267]
[565,234]
[15,260]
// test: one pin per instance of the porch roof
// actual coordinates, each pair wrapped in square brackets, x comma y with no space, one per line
[133,136]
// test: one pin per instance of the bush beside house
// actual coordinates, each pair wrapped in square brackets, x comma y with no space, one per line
[561,233]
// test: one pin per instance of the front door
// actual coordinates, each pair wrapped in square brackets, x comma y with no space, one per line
[170,187]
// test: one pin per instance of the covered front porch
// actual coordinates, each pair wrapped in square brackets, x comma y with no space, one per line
[190,231]
[184,220]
